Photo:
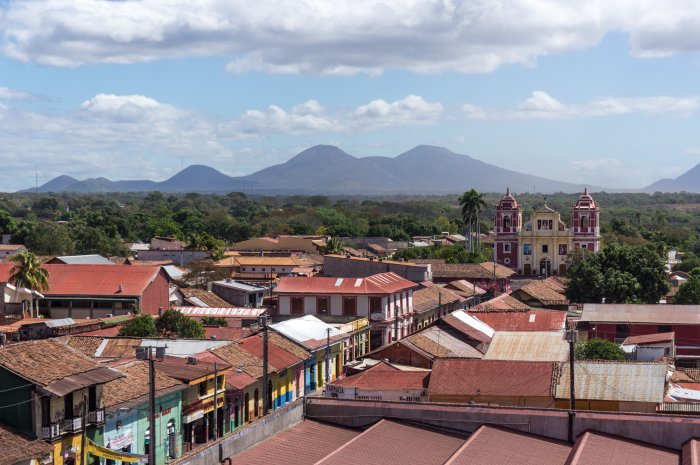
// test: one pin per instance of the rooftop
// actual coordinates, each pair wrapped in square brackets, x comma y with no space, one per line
[536,346]
[594,448]
[377,260]
[437,342]
[186,372]
[466,288]
[383,376]
[54,366]
[467,324]
[522,320]
[614,381]
[308,331]
[239,285]
[650,338]
[378,284]
[19,449]
[484,270]
[548,291]
[642,313]
[84,260]
[203,298]
[503,302]
[431,297]
[241,359]
[134,386]
[278,358]
[469,377]
[94,280]
[222,312]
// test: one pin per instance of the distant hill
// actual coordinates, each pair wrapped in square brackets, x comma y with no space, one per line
[687,182]
[326,169]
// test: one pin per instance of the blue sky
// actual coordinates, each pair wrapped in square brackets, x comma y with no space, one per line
[605,93]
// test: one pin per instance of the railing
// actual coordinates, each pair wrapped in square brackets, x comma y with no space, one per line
[50,432]
[96,416]
[72,425]
[376,316]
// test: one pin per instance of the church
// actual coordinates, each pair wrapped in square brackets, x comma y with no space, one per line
[540,246]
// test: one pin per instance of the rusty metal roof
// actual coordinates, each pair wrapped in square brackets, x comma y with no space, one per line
[439,343]
[595,448]
[642,313]
[541,346]
[377,284]
[615,381]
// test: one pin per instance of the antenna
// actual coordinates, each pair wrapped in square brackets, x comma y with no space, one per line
[36,180]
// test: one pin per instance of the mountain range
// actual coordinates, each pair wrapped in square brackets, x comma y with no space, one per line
[325,169]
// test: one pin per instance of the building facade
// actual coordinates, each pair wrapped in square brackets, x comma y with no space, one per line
[541,246]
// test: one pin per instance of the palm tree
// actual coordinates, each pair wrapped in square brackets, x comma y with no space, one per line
[472,203]
[27,272]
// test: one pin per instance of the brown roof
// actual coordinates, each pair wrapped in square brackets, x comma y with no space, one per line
[120,347]
[11,247]
[84,344]
[466,270]
[428,298]
[278,358]
[288,345]
[302,444]
[642,313]
[209,298]
[436,342]
[399,443]
[17,448]
[594,448]
[54,366]
[466,288]
[494,445]
[385,377]
[135,384]
[548,291]
[650,338]
[522,320]
[240,358]
[180,368]
[503,302]
[470,377]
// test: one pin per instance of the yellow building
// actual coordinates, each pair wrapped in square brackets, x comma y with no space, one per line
[541,246]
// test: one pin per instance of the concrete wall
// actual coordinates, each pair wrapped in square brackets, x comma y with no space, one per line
[246,437]
[663,430]
[336,265]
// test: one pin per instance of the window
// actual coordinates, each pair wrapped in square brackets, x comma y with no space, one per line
[584,223]
[92,398]
[527,249]
[506,247]
[545,248]
[252,269]
[322,305]
[45,411]
[506,223]
[375,304]
[202,389]
[68,405]
[297,305]
[562,249]
[349,306]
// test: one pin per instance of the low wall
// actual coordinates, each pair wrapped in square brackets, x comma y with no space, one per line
[663,430]
[246,437]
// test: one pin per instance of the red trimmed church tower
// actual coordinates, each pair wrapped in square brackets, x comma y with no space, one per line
[585,223]
[508,221]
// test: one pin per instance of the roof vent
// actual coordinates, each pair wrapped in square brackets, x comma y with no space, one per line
[192,360]
[121,287]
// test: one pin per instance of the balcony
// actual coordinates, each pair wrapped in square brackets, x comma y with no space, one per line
[96,417]
[51,432]
[377,316]
[72,425]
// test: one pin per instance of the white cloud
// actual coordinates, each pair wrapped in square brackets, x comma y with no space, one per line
[409,110]
[692,150]
[597,165]
[541,105]
[339,37]
[14,94]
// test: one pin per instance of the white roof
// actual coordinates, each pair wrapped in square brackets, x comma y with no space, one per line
[305,328]
[475,323]
[240,286]
[678,392]
[184,347]
[224,312]
[93,259]
[173,271]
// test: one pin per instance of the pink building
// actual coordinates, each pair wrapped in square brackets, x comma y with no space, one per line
[386,299]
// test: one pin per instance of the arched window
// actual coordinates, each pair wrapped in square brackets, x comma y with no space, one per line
[584,223]
[506,223]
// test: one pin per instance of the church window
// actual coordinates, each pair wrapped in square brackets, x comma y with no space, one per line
[527,249]
[545,248]
[506,223]
[506,247]
[562,249]
[584,223]
[506,261]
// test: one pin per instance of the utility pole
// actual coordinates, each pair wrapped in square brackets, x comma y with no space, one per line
[571,337]
[328,355]
[151,354]
[263,325]
[83,452]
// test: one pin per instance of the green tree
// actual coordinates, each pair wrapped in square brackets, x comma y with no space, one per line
[333,246]
[174,324]
[7,223]
[214,321]
[50,238]
[585,282]
[142,325]
[27,272]
[472,203]
[598,349]
[689,292]
[619,287]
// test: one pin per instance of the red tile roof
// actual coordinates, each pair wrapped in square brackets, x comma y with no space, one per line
[518,320]
[391,442]
[94,280]
[493,445]
[302,444]
[378,284]
[385,377]
[17,448]
[277,357]
[472,377]
[594,448]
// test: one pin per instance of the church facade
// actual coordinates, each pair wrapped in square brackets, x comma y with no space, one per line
[541,246]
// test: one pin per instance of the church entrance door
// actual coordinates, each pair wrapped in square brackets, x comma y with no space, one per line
[545,267]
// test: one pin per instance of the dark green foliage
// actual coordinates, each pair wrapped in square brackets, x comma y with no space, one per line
[689,292]
[174,324]
[49,238]
[598,349]
[214,321]
[142,325]
[617,274]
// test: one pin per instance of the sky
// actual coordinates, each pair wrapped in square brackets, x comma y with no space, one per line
[604,92]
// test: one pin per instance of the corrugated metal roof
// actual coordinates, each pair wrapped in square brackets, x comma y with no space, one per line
[522,320]
[440,343]
[239,285]
[542,346]
[305,328]
[85,260]
[71,383]
[593,447]
[642,313]
[615,381]
[228,312]
[183,347]
[58,322]
[475,323]
[385,377]
[378,284]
